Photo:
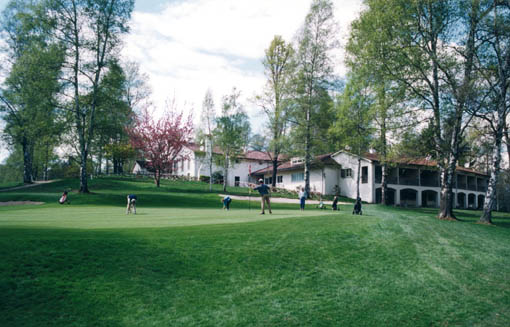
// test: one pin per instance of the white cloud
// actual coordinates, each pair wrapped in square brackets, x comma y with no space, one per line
[199,44]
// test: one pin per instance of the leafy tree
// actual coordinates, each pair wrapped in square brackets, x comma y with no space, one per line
[119,153]
[431,47]
[314,71]
[114,114]
[232,132]
[161,140]
[137,91]
[12,169]
[26,98]
[388,114]
[275,99]
[205,134]
[259,143]
[90,31]
[496,61]
[353,124]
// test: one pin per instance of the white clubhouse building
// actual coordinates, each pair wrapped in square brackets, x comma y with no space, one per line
[410,183]
[197,164]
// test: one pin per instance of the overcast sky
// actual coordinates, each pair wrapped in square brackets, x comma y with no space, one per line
[188,46]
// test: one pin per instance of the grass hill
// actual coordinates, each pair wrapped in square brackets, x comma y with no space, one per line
[184,262]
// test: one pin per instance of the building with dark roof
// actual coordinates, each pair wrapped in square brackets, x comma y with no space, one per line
[196,164]
[411,182]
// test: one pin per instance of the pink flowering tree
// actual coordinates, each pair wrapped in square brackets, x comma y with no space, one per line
[161,140]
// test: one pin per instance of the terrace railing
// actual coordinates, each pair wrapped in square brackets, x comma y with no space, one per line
[429,182]
[409,181]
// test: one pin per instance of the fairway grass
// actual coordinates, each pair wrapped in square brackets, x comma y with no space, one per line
[182,261]
[100,217]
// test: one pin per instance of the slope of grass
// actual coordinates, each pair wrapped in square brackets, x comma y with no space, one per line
[91,265]
[113,190]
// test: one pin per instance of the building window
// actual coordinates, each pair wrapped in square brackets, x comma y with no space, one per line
[268,180]
[237,180]
[364,175]
[298,177]
[279,179]
[346,173]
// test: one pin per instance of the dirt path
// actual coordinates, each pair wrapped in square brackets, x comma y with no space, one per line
[280,200]
[26,186]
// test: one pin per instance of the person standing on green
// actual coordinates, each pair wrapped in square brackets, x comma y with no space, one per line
[265,196]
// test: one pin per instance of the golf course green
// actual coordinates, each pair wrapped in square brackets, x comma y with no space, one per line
[183,261]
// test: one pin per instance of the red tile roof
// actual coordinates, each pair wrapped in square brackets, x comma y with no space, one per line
[256,155]
[370,156]
[249,155]
[324,158]
[420,162]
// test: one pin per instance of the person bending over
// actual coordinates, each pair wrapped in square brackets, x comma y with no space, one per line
[357,207]
[226,202]
[131,204]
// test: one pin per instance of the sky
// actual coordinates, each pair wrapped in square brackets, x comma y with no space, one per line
[189,46]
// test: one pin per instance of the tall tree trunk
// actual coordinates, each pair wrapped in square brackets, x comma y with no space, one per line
[46,160]
[307,153]
[384,184]
[157,177]
[507,141]
[84,187]
[99,161]
[384,167]
[358,177]
[225,174]
[490,195]
[210,164]
[210,175]
[446,199]
[27,162]
[275,168]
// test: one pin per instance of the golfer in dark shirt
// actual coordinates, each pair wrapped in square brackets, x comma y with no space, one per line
[131,204]
[265,196]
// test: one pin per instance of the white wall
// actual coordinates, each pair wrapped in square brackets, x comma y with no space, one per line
[199,165]
[242,169]
[348,184]
[318,183]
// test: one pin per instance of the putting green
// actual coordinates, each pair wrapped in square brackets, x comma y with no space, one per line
[101,217]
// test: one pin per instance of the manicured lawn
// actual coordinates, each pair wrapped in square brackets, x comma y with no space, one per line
[184,262]
[7,185]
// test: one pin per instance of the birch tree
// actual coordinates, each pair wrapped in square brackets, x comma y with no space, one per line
[387,113]
[90,31]
[208,121]
[314,71]
[431,50]
[497,61]
[28,92]
[232,132]
[353,125]
[275,99]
